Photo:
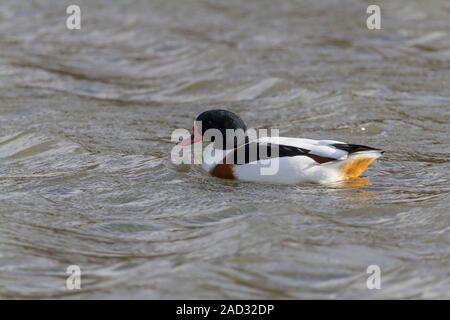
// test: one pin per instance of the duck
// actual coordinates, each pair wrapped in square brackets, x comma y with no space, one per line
[273,159]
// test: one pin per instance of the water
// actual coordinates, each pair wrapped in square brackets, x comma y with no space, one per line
[85,124]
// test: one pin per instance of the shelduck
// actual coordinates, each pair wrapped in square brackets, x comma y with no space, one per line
[273,159]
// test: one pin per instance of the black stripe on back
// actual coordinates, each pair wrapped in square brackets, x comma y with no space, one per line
[283,151]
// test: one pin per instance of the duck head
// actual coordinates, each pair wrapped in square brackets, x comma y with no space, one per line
[213,124]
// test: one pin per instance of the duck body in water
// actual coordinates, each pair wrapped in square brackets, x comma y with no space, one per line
[274,159]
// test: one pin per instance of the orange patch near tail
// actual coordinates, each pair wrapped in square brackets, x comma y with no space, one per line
[353,168]
[224,171]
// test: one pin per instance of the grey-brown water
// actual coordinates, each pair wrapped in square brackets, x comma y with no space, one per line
[85,123]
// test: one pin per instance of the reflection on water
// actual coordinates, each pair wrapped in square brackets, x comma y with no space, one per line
[353,183]
[85,124]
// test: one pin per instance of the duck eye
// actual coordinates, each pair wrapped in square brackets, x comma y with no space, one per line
[213,138]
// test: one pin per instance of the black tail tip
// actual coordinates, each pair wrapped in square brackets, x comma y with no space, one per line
[352,148]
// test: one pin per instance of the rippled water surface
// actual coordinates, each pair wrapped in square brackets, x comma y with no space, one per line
[85,123]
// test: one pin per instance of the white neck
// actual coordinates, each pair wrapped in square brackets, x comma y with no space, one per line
[212,156]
